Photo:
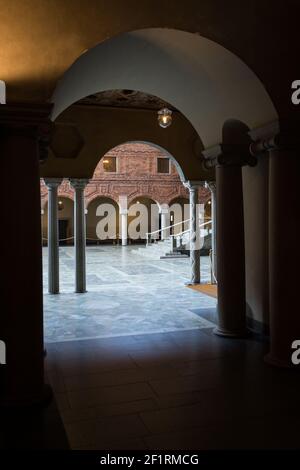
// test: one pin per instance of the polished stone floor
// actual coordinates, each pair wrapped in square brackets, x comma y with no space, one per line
[172,391]
[127,294]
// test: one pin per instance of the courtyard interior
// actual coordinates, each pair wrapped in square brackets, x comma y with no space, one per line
[126,294]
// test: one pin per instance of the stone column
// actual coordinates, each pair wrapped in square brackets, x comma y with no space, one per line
[284,171]
[213,190]
[195,242]
[42,225]
[53,242]
[79,234]
[165,222]
[123,207]
[231,251]
[21,319]
[228,159]
[124,225]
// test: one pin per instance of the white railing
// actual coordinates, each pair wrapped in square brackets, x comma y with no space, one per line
[149,235]
[179,236]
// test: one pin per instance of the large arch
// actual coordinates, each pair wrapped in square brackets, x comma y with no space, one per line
[84,133]
[203,80]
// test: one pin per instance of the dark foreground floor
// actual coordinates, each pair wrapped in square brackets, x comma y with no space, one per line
[32,429]
[181,390]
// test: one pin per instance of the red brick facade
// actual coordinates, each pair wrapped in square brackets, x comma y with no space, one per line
[136,176]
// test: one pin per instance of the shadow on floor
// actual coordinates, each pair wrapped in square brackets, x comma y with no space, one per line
[176,390]
[33,429]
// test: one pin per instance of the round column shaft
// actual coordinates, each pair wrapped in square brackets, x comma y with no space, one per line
[195,244]
[165,222]
[80,234]
[284,170]
[230,252]
[124,224]
[21,289]
[53,241]
[213,190]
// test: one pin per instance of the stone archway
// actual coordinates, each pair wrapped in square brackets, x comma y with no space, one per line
[102,220]
[65,220]
[190,75]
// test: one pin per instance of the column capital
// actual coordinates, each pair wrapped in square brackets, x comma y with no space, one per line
[277,135]
[193,185]
[53,183]
[25,115]
[164,209]
[28,119]
[229,155]
[79,183]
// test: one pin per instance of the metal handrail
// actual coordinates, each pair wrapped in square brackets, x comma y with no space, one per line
[171,226]
[166,228]
[188,230]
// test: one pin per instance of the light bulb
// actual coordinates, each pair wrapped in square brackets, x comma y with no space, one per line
[164,117]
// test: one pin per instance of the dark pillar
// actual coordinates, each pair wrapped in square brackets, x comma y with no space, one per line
[230,250]
[53,235]
[80,234]
[21,319]
[281,140]
[284,259]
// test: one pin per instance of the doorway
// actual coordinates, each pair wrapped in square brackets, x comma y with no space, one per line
[63,225]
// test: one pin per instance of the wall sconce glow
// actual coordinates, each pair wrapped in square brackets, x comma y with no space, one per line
[60,205]
[2,92]
[164,117]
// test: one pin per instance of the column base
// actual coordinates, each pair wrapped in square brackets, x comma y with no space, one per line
[275,362]
[231,334]
[192,283]
[124,243]
[29,402]
[80,291]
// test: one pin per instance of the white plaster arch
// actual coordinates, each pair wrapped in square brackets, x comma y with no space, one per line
[203,80]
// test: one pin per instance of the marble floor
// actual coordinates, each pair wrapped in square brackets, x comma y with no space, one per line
[172,391]
[127,294]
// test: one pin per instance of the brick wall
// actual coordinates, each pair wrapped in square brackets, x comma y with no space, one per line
[136,176]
